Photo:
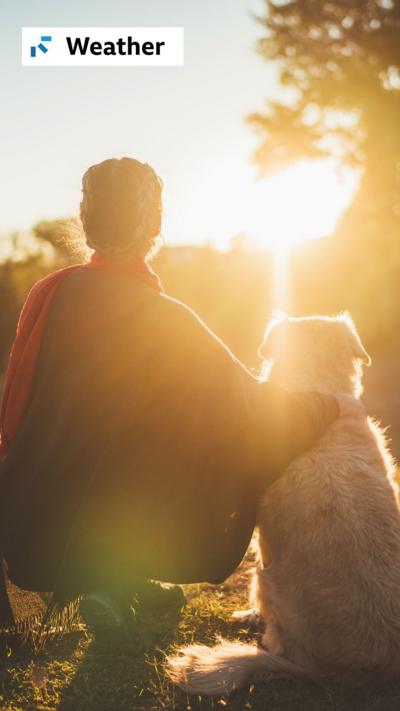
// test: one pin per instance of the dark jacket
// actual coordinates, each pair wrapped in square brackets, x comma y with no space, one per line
[145,446]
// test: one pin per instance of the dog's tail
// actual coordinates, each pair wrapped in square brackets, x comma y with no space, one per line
[219,670]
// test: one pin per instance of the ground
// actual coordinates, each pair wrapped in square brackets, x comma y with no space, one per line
[80,673]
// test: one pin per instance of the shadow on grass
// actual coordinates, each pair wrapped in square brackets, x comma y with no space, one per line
[121,675]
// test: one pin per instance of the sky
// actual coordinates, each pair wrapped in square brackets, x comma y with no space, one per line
[188,122]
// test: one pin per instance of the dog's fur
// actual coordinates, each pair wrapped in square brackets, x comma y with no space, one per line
[328,584]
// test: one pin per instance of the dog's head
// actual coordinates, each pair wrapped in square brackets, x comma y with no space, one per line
[322,353]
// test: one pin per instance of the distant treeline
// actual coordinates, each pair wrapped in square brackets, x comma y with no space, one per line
[234,291]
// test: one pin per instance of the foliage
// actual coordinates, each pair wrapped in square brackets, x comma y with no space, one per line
[341,59]
[16,278]
[340,62]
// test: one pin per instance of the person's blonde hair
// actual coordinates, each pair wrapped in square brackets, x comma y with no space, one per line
[121,207]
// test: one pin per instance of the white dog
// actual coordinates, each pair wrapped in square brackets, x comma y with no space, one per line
[328,584]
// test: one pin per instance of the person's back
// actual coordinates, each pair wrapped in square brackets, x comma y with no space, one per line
[144,444]
[123,449]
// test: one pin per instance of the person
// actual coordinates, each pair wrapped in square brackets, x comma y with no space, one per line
[135,445]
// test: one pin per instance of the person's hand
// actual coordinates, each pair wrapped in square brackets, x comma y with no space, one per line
[350,406]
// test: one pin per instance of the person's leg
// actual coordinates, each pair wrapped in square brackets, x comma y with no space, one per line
[101,610]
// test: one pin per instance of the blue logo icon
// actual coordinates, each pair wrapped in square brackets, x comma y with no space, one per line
[41,46]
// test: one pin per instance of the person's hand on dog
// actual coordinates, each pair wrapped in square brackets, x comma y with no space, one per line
[350,406]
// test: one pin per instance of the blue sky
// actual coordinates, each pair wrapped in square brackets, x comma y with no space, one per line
[186,121]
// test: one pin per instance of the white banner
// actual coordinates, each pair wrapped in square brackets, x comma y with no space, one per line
[102,46]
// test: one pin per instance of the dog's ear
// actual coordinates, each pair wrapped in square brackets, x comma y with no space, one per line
[357,347]
[267,349]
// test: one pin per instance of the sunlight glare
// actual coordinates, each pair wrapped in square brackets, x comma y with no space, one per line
[302,202]
[224,199]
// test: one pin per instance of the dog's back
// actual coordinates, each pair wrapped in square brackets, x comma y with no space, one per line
[331,588]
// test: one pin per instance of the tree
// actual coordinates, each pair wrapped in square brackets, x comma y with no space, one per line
[341,60]
[338,64]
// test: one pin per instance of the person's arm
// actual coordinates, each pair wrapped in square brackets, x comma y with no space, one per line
[294,421]
[227,410]
[286,424]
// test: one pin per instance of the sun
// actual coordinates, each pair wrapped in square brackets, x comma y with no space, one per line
[222,198]
[302,202]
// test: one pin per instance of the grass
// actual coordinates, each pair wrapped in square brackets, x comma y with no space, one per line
[80,673]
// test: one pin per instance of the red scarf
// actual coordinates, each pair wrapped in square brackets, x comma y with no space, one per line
[26,348]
